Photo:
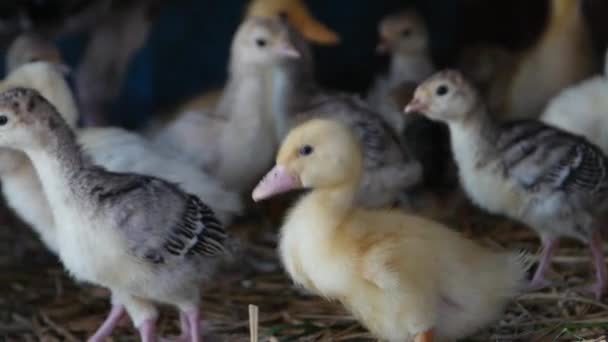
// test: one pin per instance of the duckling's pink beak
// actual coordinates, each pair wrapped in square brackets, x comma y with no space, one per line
[277,181]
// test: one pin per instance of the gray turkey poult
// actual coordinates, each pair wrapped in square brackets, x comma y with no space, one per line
[141,237]
[551,180]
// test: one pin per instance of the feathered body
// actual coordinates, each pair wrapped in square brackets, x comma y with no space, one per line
[402,276]
[551,180]
[142,237]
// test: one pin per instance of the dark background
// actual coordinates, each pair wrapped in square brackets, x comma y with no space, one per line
[188,46]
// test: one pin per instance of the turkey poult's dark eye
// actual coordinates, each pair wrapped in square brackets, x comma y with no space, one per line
[3,120]
[442,90]
[406,33]
[306,150]
[261,42]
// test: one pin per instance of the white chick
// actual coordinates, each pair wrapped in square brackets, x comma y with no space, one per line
[551,180]
[142,237]
[297,13]
[402,276]
[237,141]
[583,109]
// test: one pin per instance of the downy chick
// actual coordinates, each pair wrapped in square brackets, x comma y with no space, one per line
[143,238]
[405,37]
[562,56]
[583,109]
[551,180]
[297,13]
[236,143]
[389,167]
[402,276]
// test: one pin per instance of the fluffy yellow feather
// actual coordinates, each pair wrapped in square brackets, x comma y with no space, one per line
[404,277]
[562,56]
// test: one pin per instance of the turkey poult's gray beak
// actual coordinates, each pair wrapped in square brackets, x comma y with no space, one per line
[415,106]
[277,181]
[286,49]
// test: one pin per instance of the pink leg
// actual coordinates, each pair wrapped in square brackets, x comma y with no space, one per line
[194,319]
[600,266]
[550,245]
[147,331]
[105,330]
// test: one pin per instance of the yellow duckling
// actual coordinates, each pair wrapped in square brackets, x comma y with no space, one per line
[404,277]
[298,15]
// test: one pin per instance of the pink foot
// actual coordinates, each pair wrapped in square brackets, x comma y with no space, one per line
[550,245]
[601,273]
[194,319]
[105,330]
[147,331]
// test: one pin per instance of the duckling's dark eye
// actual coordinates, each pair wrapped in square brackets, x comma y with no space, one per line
[34,59]
[442,90]
[261,42]
[306,150]
[283,16]
[3,120]
[406,33]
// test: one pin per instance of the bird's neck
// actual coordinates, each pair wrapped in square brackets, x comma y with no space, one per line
[245,95]
[59,163]
[292,84]
[474,138]
[413,67]
[331,204]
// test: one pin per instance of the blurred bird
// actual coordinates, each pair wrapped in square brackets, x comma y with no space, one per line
[405,38]
[236,142]
[562,56]
[298,15]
